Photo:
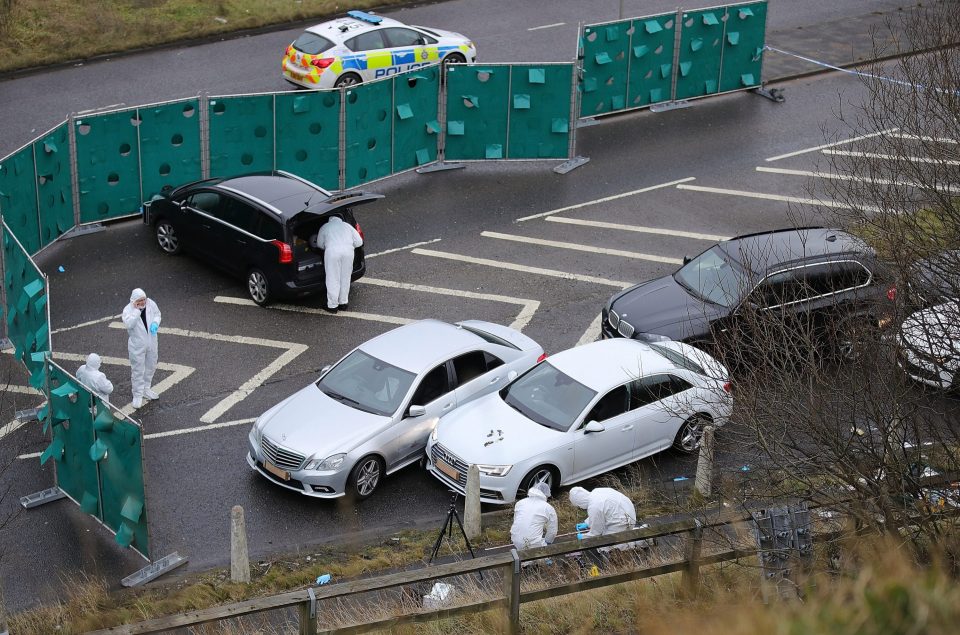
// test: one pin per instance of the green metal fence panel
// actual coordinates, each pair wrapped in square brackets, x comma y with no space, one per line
[169,145]
[72,444]
[26,294]
[701,45]
[118,449]
[416,128]
[743,42]
[18,197]
[308,136]
[55,187]
[605,49]
[108,165]
[540,111]
[477,112]
[241,134]
[652,45]
[368,132]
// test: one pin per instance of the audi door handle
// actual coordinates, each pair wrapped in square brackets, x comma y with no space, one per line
[629,427]
[447,406]
[494,380]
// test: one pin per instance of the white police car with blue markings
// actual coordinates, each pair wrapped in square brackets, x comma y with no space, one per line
[363,46]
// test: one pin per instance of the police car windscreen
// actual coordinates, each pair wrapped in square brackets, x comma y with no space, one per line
[312,44]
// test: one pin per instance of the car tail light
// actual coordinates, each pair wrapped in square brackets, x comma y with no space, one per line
[359,231]
[542,357]
[286,254]
[892,294]
[321,62]
[727,387]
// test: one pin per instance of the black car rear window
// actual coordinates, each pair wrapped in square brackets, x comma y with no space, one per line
[312,44]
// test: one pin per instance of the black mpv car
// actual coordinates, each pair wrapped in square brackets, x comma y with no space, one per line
[824,277]
[255,226]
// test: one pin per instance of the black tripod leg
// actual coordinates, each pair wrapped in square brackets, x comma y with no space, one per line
[439,541]
[464,532]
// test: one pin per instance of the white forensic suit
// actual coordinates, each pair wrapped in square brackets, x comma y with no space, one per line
[141,345]
[337,239]
[534,520]
[90,376]
[608,511]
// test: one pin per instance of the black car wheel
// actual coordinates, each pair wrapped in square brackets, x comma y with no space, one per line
[258,287]
[541,474]
[690,434]
[365,477]
[454,58]
[167,238]
[347,79]
[853,337]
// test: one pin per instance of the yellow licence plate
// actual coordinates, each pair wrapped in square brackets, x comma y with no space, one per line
[276,471]
[447,469]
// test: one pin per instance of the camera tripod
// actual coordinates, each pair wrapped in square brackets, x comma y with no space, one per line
[447,530]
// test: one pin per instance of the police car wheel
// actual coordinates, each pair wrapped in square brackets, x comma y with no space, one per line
[455,58]
[347,79]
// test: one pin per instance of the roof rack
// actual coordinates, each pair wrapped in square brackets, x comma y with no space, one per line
[777,231]
[365,17]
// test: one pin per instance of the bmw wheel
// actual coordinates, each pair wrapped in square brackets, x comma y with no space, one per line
[541,474]
[365,477]
[258,287]
[347,79]
[690,434]
[167,237]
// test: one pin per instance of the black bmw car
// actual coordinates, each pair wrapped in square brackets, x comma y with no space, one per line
[820,277]
[256,227]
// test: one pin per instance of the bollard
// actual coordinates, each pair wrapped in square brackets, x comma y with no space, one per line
[704,482]
[471,505]
[239,558]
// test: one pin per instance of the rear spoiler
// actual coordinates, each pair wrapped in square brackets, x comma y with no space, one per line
[337,202]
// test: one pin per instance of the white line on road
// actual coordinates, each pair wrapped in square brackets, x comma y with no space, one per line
[775,197]
[637,228]
[526,313]
[90,323]
[891,157]
[831,145]
[525,269]
[546,26]
[371,317]
[606,199]
[292,351]
[846,177]
[913,137]
[592,332]
[575,247]
[411,246]
[23,390]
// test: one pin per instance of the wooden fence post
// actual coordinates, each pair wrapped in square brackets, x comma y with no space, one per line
[511,588]
[308,615]
[691,574]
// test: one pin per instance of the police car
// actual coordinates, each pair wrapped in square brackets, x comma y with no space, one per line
[363,46]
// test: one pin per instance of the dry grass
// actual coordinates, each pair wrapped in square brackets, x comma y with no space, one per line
[40,32]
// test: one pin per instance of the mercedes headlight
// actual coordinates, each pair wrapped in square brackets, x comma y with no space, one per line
[327,464]
[494,470]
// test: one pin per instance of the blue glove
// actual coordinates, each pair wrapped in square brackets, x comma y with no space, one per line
[582,526]
[580,536]
[324,579]
[154,327]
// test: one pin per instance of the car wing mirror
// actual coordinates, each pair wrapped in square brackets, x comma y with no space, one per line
[512,375]
[593,426]
[416,411]
[687,259]
[325,369]
[184,207]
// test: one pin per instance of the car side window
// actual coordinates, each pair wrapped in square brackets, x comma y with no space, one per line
[369,41]
[836,277]
[779,288]
[204,201]
[268,228]
[397,36]
[492,360]
[614,403]
[648,390]
[434,385]
[238,214]
[469,366]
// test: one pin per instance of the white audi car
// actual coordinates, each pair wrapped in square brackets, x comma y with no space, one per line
[580,413]
[929,349]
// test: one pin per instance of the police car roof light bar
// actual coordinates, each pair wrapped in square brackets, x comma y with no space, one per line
[366,17]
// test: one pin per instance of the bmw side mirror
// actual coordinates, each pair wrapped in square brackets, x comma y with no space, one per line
[593,426]
[416,411]
[687,259]
[512,375]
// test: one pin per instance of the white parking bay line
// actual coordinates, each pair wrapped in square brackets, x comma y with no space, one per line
[637,228]
[546,26]
[292,350]
[606,199]
[832,145]
[499,264]
[575,247]
[405,247]
[526,313]
[371,317]
[592,332]
[891,157]
[775,197]
[846,177]
[90,323]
